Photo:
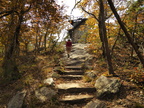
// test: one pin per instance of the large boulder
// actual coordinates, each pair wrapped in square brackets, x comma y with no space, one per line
[45,93]
[107,86]
[17,100]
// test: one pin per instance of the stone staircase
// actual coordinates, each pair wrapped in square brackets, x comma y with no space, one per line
[73,90]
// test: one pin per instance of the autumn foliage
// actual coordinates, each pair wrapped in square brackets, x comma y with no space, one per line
[27,25]
[125,34]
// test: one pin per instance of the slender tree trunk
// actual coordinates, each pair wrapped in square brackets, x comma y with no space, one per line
[114,45]
[26,47]
[101,38]
[126,32]
[36,41]
[104,36]
[45,41]
[40,42]
[99,24]
[45,37]
[36,44]
[133,33]
[115,42]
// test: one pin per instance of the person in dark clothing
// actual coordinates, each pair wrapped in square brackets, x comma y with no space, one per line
[68,47]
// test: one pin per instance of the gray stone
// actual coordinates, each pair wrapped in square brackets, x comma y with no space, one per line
[55,75]
[85,67]
[95,104]
[49,81]
[79,51]
[106,86]
[45,93]
[90,75]
[17,100]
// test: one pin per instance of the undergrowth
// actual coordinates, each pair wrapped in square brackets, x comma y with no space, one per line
[33,69]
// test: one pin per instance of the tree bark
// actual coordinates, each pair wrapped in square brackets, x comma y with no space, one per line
[101,38]
[99,24]
[12,51]
[126,32]
[104,36]
[45,38]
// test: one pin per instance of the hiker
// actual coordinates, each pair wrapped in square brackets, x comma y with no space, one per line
[68,47]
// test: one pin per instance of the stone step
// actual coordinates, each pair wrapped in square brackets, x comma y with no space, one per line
[89,90]
[74,62]
[71,77]
[76,99]
[72,72]
[68,85]
[76,87]
[73,67]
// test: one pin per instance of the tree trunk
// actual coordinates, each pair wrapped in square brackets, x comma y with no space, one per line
[101,38]
[26,47]
[9,65]
[104,36]
[40,42]
[99,24]
[133,33]
[126,32]
[36,41]
[45,38]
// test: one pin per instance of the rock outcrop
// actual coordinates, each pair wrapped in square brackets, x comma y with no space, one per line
[45,93]
[106,86]
[17,100]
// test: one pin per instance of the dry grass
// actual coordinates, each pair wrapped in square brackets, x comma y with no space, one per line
[33,71]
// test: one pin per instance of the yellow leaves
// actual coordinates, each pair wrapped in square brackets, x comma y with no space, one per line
[106,73]
[95,51]
[84,3]
[82,27]
[111,40]
[93,30]
[91,21]
[22,44]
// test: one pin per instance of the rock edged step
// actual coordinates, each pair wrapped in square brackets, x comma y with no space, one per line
[73,67]
[89,90]
[72,72]
[71,77]
[75,88]
[74,62]
[71,85]
[73,99]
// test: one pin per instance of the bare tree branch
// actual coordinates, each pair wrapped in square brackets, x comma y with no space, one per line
[6,13]
[109,16]
[90,13]
[75,5]
[84,10]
